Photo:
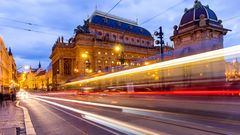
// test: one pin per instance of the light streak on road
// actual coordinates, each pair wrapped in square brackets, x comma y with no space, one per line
[177,92]
[185,60]
[112,123]
[95,104]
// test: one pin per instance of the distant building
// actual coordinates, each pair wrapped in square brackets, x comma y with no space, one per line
[232,72]
[34,79]
[93,48]
[8,75]
[199,31]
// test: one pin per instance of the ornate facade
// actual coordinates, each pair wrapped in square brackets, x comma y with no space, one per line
[199,31]
[104,42]
[8,76]
[35,79]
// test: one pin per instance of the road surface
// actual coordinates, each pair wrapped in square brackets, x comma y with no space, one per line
[56,117]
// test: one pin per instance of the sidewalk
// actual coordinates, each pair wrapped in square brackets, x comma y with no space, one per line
[11,117]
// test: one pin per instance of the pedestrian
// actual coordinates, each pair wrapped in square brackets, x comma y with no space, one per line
[11,96]
[1,99]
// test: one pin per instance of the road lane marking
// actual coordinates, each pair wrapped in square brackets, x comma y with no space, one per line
[130,129]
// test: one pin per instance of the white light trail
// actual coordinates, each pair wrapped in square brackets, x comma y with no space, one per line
[127,128]
[185,60]
[96,104]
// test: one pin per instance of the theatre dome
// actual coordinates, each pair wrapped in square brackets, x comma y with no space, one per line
[194,14]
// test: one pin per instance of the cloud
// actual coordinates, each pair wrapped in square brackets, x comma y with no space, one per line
[60,17]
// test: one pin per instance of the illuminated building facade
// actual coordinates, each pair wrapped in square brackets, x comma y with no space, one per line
[199,31]
[232,70]
[35,79]
[104,42]
[8,76]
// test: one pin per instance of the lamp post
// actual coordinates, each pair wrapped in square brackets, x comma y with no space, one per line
[57,79]
[26,67]
[160,41]
[159,35]
[119,48]
[87,63]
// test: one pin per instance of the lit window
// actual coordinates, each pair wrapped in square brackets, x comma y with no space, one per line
[99,61]
[106,61]
[112,62]
[106,53]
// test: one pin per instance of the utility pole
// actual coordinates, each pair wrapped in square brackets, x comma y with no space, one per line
[160,41]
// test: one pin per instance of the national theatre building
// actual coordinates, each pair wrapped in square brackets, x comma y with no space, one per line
[103,43]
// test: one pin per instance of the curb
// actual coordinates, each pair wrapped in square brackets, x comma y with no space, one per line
[27,120]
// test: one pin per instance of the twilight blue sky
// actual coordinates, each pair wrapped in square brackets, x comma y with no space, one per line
[53,18]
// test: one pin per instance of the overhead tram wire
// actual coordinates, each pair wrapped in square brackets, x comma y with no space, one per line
[29,30]
[150,19]
[28,23]
[23,22]
[113,7]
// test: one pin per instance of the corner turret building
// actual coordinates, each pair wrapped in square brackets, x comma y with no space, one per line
[199,31]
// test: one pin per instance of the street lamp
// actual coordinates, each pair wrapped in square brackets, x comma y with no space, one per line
[119,48]
[25,67]
[87,64]
[160,41]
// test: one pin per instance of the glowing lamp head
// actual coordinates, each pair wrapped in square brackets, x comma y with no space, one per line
[26,67]
[117,48]
[84,55]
